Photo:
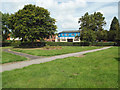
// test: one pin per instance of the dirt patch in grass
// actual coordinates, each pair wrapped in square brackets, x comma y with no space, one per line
[80,56]
[43,48]
[51,48]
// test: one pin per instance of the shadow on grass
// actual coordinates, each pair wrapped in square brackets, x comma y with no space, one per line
[118,59]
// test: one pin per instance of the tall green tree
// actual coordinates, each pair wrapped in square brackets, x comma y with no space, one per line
[94,22]
[88,35]
[114,29]
[32,23]
[5,24]
[0,26]
[102,35]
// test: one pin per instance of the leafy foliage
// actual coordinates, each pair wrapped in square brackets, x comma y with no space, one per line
[90,24]
[32,23]
[5,24]
[114,30]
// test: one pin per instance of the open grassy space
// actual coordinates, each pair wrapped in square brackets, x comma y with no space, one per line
[55,50]
[7,47]
[8,57]
[94,70]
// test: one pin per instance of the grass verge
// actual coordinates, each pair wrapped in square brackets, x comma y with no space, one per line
[8,57]
[94,70]
[53,52]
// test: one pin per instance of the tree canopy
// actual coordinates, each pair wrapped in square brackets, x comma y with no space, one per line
[91,23]
[114,30]
[5,24]
[32,23]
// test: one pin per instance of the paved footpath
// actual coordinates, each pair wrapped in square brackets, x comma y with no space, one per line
[31,57]
[21,64]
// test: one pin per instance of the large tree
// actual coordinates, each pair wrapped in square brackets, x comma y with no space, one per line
[5,29]
[114,30]
[88,35]
[102,35]
[0,26]
[32,23]
[94,22]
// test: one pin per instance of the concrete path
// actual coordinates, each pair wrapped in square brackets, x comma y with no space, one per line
[31,57]
[21,64]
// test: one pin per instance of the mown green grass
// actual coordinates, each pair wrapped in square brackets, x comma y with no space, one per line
[7,47]
[95,70]
[64,50]
[8,57]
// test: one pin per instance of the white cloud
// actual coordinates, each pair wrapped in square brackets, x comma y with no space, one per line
[102,0]
[109,10]
[17,0]
[66,12]
[63,12]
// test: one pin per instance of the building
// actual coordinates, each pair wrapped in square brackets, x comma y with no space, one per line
[10,38]
[68,36]
[51,38]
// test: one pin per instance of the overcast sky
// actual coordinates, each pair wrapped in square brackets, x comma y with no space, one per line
[67,12]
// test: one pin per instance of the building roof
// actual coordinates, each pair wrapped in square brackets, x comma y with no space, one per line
[70,31]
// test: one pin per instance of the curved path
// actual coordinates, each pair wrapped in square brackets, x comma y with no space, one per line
[31,57]
[21,64]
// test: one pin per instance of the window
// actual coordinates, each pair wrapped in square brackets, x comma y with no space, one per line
[59,35]
[73,34]
[63,39]
[66,34]
[62,34]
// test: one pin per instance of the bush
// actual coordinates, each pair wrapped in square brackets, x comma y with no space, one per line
[6,44]
[59,43]
[117,44]
[102,44]
[16,43]
[41,44]
[32,44]
[68,43]
[9,41]
[81,43]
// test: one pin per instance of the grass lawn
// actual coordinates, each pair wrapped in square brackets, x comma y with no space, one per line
[50,51]
[7,47]
[8,57]
[94,70]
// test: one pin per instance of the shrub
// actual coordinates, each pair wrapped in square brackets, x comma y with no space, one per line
[102,44]
[81,44]
[6,44]
[59,43]
[9,41]
[16,43]
[32,44]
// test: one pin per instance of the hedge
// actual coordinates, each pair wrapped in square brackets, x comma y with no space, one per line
[81,43]
[59,43]
[5,44]
[102,44]
[30,44]
[41,44]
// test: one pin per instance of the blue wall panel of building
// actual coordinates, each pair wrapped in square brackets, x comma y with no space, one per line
[72,34]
